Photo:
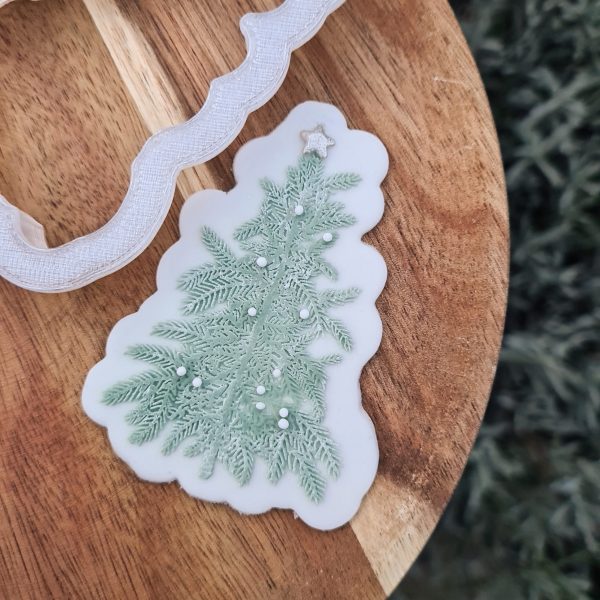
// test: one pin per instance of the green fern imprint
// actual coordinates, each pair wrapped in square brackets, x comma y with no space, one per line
[237,381]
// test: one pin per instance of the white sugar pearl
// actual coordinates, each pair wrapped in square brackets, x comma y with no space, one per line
[260,390]
[181,371]
[283,423]
[276,373]
[261,261]
[260,406]
[327,237]
[299,209]
[283,412]
[252,311]
[196,382]
[304,313]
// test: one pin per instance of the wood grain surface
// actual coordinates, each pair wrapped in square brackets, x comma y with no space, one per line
[82,85]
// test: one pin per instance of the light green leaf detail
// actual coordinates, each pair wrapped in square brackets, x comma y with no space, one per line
[131,390]
[237,382]
[342,181]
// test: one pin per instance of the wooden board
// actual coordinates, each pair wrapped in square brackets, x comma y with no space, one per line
[82,84]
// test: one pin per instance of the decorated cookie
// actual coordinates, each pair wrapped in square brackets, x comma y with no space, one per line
[239,377]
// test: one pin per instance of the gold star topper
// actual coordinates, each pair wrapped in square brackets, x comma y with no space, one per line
[316,141]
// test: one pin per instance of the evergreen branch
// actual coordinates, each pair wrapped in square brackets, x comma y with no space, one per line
[330,216]
[339,332]
[273,210]
[330,298]
[133,389]
[311,169]
[311,479]
[278,456]
[151,416]
[323,267]
[238,458]
[207,463]
[159,356]
[272,190]
[199,446]
[302,339]
[342,181]
[197,276]
[306,296]
[307,380]
[199,333]
[218,248]
[221,291]
[319,444]
[304,179]
[331,359]
[188,428]
[249,229]
[180,331]
[256,246]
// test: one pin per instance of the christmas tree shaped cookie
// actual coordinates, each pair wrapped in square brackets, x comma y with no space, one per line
[239,377]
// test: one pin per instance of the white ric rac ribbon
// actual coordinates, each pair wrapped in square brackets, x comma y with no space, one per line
[25,258]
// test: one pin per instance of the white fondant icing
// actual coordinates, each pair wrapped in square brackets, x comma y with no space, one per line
[359,265]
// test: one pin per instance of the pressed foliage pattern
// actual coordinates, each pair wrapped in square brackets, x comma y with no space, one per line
[237,380]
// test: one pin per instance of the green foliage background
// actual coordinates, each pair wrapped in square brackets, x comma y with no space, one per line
[524,522]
